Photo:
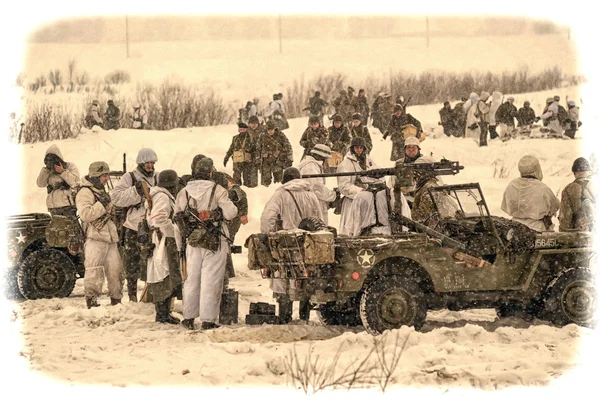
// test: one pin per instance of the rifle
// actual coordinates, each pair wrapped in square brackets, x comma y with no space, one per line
[210,228]
[145,237]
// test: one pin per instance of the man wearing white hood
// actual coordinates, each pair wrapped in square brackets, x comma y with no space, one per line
[528,200]
[551,120]
[313,164]
[58,177]
[293,201]
[483,113]
[207,248]
[472,130]
[290,203]
[129,193]
[353,188]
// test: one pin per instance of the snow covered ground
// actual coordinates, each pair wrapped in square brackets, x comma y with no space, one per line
[65,344]
[57,346]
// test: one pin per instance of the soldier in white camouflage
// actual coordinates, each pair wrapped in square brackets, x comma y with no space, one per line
[102,258]
[129,193]
[275,153]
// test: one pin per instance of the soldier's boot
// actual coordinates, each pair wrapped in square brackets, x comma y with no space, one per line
[91,302]
[132,290]
[115,301]
[209,325]
[285,309]
[304,311]
[188,323]
[163,312]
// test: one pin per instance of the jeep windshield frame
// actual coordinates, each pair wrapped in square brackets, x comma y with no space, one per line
[465,192]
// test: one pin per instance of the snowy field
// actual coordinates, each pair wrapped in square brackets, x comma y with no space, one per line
[57,346]
[123,346]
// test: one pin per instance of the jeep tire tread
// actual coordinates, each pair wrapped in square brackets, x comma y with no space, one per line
[46,273]
[391,302]
[571,298]
[332,314]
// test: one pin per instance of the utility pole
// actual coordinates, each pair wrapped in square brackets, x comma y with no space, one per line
[427,28]
[127,35]
[280,43]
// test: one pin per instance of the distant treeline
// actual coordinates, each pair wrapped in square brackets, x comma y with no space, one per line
[175,104]
[176,28]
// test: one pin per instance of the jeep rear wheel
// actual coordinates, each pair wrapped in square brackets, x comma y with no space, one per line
[346,314]
[572,299]
[391,302]
[46,273]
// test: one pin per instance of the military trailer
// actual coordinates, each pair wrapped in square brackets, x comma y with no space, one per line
[470,259]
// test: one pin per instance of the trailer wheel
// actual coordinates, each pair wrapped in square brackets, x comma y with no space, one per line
[46,273]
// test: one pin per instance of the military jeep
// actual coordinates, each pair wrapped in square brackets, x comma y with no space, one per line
[45,256]
[469,259]
[45,253]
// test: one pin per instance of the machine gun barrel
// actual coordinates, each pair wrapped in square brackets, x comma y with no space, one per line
[443,167]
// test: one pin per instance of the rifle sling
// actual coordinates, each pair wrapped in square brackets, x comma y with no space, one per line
[295,203]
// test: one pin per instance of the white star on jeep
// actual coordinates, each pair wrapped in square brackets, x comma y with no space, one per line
[21,238]
[365,257]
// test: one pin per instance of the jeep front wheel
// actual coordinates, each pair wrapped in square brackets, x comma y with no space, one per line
[572,299]
[46,273]
[391,302]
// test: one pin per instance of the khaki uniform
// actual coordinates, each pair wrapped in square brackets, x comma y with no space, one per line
[573,214]
[242,143]
[275,152]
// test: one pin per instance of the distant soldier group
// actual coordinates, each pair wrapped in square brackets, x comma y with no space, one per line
[257,148]
[483,115]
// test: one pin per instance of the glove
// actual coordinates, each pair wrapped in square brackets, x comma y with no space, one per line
[537,119]
[139,188]
[49,188]
[104,199]
[225,161]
